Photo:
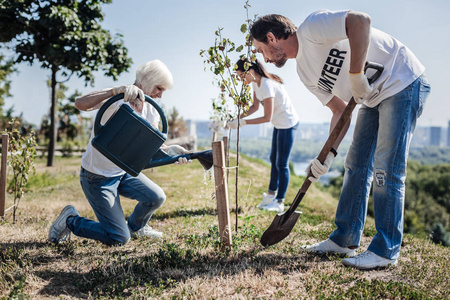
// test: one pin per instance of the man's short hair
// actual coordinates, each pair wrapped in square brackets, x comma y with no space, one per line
[280,26]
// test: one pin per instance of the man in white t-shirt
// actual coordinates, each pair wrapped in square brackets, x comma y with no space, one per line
[103,182]
[331,48]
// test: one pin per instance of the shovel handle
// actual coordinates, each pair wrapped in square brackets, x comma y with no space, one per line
[335,134]
[348,112]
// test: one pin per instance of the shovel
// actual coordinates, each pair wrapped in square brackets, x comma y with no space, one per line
[284,222]
[161,158]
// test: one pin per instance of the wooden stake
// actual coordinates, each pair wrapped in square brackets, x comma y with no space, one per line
[221,193]
[225,145]
[5,140]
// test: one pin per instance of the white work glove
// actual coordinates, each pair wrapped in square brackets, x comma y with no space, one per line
[317,169]
[360,87]
[217,125]
[233,124]
[175,150]
[131,93]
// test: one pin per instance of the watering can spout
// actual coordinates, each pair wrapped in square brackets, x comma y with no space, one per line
[161,158]
[206,159]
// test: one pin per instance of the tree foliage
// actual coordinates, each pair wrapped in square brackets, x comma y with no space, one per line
[221,62]
[430,155]
[22,152]
[65,37]
[440,236]
[427,198]
[217,57]
[6,69]
[177,125]
[63,34]
[66,112]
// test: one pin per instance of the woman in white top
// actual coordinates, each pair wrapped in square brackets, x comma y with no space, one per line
[268,90]
[103,182]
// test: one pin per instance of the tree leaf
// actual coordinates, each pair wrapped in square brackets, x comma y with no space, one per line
[244,28]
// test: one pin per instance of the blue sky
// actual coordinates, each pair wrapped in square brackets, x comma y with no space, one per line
[175,31]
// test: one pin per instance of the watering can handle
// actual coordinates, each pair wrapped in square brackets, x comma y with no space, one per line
[98,127]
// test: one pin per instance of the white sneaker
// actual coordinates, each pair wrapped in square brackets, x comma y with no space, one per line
[266,200]
[145,231]
[275,206]
[368,260]
[328,246]
[59,232]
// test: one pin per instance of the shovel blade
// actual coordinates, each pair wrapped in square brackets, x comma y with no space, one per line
[280,228]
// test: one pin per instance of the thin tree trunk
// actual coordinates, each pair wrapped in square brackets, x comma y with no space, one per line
[237,169]
[53,132]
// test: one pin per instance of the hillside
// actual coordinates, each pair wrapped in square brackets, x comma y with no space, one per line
[188,262]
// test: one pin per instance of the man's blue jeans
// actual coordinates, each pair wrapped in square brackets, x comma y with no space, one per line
[379,153]
[282,142]
[103,195]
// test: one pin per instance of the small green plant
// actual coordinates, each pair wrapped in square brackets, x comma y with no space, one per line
[17,291]
[22,151]
[230,85]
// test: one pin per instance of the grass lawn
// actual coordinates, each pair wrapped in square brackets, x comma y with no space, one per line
[189,262]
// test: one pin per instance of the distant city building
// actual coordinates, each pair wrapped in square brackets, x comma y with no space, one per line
[448,134]
[192,127]
[203,129]
[423,136]
[266,130]
[250,131]
[435,136]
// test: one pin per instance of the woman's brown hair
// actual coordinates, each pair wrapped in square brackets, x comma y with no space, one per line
[257,67]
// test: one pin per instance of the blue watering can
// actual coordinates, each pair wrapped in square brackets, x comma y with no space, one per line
[132,143]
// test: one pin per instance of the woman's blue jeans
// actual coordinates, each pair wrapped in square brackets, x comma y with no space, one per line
[103,195]
[282,142]
[379,153]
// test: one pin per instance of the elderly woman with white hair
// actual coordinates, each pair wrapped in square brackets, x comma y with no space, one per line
[103,182]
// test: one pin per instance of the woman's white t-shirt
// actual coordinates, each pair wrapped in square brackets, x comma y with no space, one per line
[95,162]
[284,115]
[323,59]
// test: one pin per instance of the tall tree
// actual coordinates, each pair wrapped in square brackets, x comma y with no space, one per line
[177,125]
[6,69]
[67,111]
[65,37]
